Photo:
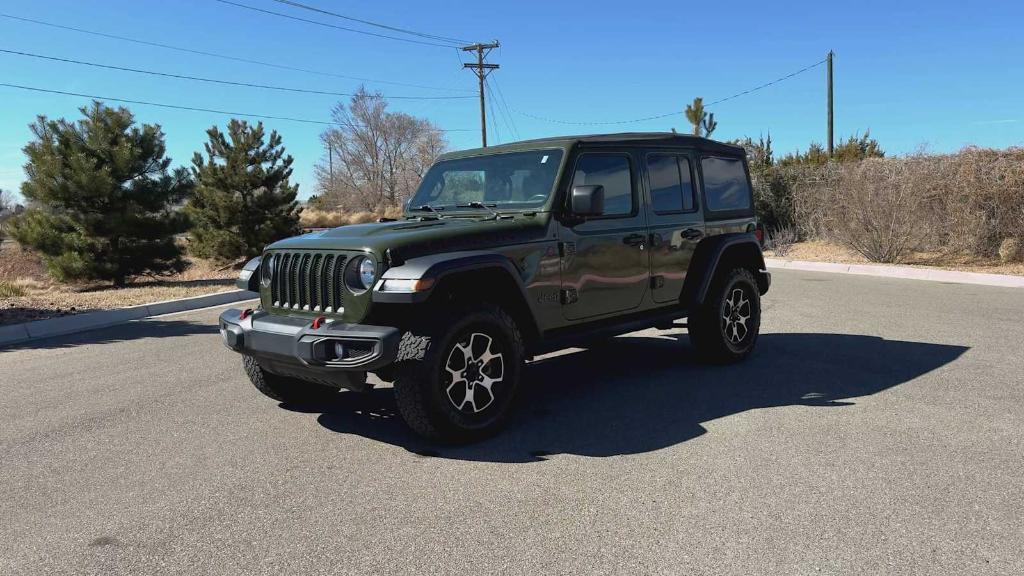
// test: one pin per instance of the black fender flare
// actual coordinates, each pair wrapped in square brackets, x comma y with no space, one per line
[435,267]
[710,253]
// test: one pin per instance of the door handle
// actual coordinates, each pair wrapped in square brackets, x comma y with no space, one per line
[692,234]
[634,240]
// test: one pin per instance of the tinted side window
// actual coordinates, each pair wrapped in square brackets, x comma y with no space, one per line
[612,172]
[725,184]
[671,183]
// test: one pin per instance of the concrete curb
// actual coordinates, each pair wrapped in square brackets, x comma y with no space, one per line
[18,333]
[905,272]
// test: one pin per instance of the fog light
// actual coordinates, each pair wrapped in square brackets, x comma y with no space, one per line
[339,351]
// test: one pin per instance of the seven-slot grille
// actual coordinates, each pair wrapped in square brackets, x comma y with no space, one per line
[308,281]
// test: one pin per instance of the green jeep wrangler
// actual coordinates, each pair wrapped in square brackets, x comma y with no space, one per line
[505,253]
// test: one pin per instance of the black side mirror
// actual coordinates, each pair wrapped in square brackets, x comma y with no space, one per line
[587,201]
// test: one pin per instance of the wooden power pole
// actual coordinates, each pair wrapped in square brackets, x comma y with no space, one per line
[829,60]
[481,70]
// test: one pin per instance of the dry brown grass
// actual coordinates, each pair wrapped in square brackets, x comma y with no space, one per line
[362,217]
[313,218]
[9,289]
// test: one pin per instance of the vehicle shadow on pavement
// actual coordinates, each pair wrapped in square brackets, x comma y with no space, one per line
[636,394]
[134,330]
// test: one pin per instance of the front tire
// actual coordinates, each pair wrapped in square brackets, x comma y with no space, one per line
[464,387]
[284,389]
[725,327]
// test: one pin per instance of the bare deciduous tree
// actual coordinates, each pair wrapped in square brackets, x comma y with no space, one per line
[379,157]
[6,208]
[6,201]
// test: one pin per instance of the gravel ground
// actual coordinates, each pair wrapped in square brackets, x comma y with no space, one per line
[47,299]
[875,430]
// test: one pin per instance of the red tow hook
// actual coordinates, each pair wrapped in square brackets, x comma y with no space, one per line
[318,322]
[245,314]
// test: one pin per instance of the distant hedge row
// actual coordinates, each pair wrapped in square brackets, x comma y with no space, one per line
[967,203]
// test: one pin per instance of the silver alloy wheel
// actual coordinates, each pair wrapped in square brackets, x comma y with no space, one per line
[474,368]
[735,313]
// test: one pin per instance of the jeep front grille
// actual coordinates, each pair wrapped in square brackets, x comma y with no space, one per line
[311,281]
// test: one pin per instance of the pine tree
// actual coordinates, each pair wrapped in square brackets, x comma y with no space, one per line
[703,123]
[852,149]
[242,200]
[102,204]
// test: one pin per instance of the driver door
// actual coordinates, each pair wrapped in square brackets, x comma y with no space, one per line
[605,267]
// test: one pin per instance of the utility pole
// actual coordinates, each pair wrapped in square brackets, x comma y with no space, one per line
[481,70]
[330,163]
[829,59]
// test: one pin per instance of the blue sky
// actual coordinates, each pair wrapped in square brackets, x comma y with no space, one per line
[937,74]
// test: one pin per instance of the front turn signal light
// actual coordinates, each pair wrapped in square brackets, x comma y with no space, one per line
[406,285]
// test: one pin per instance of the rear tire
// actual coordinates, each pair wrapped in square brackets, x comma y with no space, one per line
[725,328]
[464,387]
[284,389]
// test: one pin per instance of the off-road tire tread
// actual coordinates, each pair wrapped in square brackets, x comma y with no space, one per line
[282,388]
[703,324]
[410,377]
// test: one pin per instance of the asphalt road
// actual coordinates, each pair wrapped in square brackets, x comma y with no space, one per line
[876,430]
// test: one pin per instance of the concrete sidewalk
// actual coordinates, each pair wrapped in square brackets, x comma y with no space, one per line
[906,272]
[17,333]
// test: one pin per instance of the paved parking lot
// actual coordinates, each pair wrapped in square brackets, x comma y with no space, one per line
[877,429]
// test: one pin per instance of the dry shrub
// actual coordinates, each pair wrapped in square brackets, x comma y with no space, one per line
[10,290]
[781,240]
[877,208]
[19,287]
[813,188]
[313,218]
[1011,250]
[961,204]
[985,199]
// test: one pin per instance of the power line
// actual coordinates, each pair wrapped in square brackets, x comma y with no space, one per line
[371,23]
[193,108]
[217,81]
[767,84]
[325,24]
[490,85]
[667,114]
[227,57]
[602,123]
[494,117]
[504,105]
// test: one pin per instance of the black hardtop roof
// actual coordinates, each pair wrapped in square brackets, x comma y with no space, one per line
[632,138]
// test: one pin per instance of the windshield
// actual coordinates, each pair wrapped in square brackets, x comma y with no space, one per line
[512,181]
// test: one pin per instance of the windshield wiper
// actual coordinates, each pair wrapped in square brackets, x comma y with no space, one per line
[428,208]
[481,206]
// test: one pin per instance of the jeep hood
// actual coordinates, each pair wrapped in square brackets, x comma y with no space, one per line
[416,237]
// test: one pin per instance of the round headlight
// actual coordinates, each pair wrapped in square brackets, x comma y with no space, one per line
[367,273]
[267,270]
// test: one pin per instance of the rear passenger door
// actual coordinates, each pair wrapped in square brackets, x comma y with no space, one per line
[604,259]
[675,220]
[727,194]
